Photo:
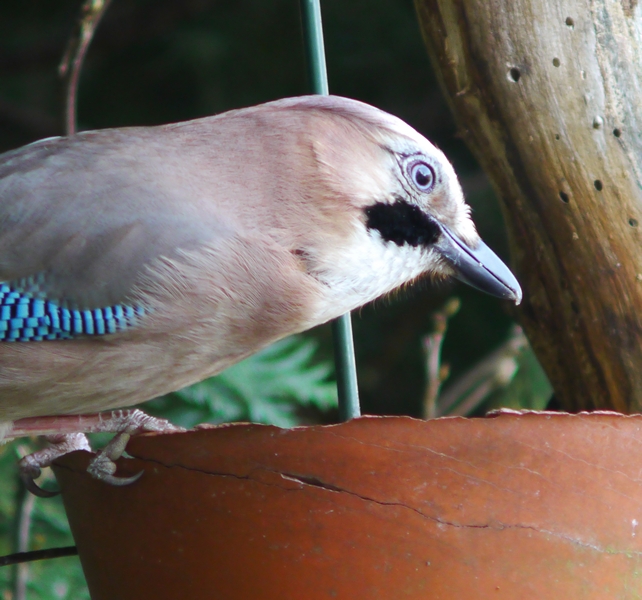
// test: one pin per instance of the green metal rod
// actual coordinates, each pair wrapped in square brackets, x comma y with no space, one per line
[346,368]
[344,359]
[313,35]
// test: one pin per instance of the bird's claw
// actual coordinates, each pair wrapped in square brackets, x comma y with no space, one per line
[36,490]
[29,473]
[117,481]
[103,467]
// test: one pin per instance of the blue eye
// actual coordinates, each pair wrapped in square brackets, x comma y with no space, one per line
[422,176]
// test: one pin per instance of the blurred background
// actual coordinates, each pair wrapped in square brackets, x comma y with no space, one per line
[159,61]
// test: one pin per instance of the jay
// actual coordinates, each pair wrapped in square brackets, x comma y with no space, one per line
[136,261]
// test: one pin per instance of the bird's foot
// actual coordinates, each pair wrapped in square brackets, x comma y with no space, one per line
[31,465]
[67,434]
[103,467]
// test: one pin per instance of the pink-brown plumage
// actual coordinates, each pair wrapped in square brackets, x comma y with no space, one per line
[232,231]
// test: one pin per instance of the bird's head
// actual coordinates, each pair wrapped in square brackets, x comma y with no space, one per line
[407,216]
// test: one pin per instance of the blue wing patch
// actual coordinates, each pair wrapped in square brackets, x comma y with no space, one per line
[27,318]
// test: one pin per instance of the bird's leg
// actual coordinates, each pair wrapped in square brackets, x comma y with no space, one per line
[111,422]
[67,435]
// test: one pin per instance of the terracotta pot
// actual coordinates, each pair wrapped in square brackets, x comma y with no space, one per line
[518,506]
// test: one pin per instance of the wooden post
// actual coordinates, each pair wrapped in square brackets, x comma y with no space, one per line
[549,96]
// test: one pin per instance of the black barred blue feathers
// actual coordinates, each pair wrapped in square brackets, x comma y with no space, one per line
[25,318]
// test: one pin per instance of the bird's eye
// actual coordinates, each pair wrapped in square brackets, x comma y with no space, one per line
[422,176]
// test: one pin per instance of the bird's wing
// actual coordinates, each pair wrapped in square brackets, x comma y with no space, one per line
[81,218]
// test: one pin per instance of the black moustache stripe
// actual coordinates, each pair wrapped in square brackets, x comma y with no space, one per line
[402,223]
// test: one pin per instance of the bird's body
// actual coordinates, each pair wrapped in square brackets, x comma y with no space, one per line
[196,244]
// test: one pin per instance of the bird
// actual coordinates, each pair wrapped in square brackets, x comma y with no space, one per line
[136,261]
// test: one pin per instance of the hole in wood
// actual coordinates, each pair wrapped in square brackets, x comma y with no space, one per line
[557,136]
[598,185]
[564,197]
[575,307]
[569,22]
[514,74]
[617,132]
[633,222]
[556,62]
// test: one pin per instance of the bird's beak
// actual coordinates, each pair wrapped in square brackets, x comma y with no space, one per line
[479,267]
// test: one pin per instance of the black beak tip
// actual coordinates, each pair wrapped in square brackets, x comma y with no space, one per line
[517,295]
[514,293]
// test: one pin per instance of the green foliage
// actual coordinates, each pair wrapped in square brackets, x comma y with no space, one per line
[59,579]
[269,387]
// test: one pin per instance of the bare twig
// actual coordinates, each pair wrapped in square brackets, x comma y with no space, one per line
[22,530]
[437,373]
[490,374]
[91,13]
[26,557]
